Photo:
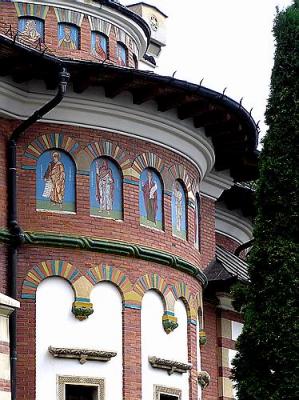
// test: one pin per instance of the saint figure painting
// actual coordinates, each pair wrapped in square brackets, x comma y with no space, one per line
[178,210]
[105,189]
[31,30]
[55,189]
[99,45]
[68,37]
[150,199]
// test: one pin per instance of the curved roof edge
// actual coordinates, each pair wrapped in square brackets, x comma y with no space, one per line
[128,13]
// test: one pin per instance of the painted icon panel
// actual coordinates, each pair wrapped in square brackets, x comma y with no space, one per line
[99,45]
[68,37]
[151,199]
[31,30]
[178,211]
[122,54]
[106,189]
[55,182]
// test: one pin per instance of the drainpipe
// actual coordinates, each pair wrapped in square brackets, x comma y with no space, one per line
[13,225]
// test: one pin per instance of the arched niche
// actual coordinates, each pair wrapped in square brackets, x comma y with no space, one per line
[151,193]
[197,211]
[106,189]
[179,218]
[56,182]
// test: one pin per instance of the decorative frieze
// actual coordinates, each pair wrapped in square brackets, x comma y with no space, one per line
[169,365]
[82,355]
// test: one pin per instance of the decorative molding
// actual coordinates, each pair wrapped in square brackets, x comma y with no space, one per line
[215,183]
[233,225]
[82,355]
[98,112]
[203,379]
[62,381]
[169,365]
[99,25]
[47,142]
[109,247]
[158,390]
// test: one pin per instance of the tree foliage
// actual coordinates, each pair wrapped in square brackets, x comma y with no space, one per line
[267,365]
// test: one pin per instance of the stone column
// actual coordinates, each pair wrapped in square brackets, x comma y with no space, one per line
[7,306]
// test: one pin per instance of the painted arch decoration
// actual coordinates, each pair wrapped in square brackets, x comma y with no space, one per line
[45,270]
[102,149]
[31,10]
[47,142]
[155,282]
[109,273]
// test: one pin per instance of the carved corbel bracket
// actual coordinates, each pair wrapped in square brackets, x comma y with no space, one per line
[82,310]
[203,379]
[202,337]
[170,323]
[169,365]
[82,355]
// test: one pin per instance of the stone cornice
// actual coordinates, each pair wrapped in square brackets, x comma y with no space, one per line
[108,247]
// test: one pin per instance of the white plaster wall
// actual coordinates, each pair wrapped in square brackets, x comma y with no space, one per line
[156,342]
[57,326]
[236,329]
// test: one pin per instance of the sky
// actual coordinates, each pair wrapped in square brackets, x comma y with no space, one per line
[228,43]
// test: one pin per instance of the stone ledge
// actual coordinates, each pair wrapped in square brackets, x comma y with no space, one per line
[7,304]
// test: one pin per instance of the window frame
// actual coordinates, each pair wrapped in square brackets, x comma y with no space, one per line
[63,380]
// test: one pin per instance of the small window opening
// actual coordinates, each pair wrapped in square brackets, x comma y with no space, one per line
[168,397]
[81,392]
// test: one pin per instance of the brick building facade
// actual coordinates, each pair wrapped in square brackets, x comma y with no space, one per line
[117,225]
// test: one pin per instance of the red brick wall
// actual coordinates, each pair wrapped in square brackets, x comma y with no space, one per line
[209,351]
[226,242]
[207,230]
[8,16]
[82,223]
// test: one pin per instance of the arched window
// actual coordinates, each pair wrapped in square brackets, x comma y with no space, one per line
[31,30]
[151,199]
[106,196]
[122,54]
[100,45]
[56,182]
[197,222]
[68,37]
[179,210]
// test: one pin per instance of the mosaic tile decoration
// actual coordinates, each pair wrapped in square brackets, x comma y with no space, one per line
[111,274]
[45,270]
[68,16]
[32,10]
[47,142]
[99,25]
[181,290]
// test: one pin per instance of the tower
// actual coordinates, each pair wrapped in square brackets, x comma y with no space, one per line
[116,194]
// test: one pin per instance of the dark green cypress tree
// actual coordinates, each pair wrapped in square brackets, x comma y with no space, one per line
[267,365]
